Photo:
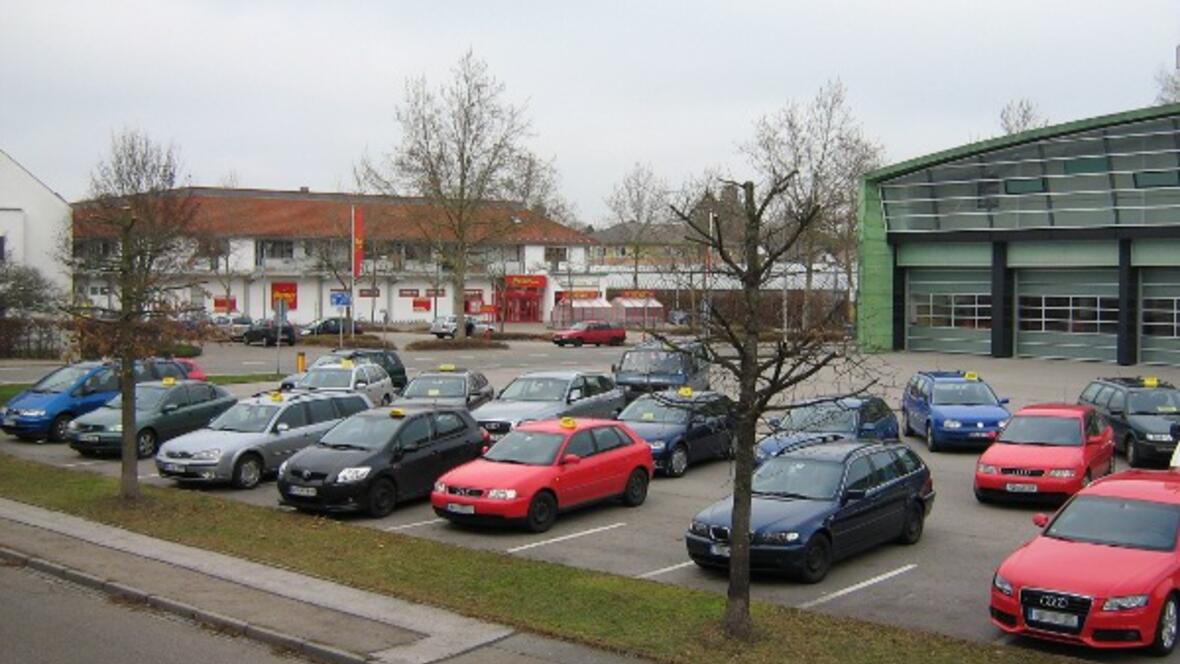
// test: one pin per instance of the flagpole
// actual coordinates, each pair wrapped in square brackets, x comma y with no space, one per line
[352,271]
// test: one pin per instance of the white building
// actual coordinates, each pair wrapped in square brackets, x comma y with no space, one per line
[33,221]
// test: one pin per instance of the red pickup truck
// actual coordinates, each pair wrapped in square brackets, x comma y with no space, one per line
[595,332]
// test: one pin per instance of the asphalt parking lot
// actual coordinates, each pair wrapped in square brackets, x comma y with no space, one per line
[941,584]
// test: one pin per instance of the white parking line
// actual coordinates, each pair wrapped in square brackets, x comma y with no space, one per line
[412,525]
[466,357]
[148,477]
[566,537]
[254,363]
[538,354]
[665,570]
[79,464]
[860,586]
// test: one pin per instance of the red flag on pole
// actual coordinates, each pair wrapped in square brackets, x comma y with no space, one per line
[358,243]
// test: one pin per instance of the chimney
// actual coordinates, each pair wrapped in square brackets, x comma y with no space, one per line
[304,190]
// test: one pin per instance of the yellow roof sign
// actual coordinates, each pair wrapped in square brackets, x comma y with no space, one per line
[446,367]
[970,375]
[397,413]
[1151,381]
[347,364]
[685,392]
[276,396]
[568,423]
[169,380]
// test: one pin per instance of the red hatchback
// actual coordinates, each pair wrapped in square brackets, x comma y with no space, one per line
[595,332]
[1104,572]
[541,468]
[1047,451]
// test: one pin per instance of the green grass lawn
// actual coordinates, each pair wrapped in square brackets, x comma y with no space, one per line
[658,621]
[9,390]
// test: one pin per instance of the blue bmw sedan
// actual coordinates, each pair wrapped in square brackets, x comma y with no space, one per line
[682,427]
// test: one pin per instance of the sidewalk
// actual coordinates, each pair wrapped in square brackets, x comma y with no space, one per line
[323,620]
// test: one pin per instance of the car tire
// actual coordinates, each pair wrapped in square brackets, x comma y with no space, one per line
[382,498]
[1166,628]
[980,497]
[1087,479]
[817,559]
[542,512]
[915,521]
[145,443]
[931,443]
[577,343]
[57,428]
[1110,469]
[1132,452]
[678,461]
[636,491]
[440,336]
[247,472]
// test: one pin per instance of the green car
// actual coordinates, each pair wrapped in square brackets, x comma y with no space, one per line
[163,409]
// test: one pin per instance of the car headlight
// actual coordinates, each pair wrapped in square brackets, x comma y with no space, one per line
[656,445]
[502,494]
[778,538]
[353,474]
[283,468]
[440,487]
[1125,603]
[1001,584]
[987,469]
[698,528]
[1159,437]
[1001,424]
[207,455]
[73,425]
[117,428]
[33,413]
[760,453]
[1063,472]
[951,424]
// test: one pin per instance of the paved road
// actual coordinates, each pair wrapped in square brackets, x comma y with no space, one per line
[941,584]
[44,620]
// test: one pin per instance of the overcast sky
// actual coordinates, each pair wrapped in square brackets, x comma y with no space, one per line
[289,94]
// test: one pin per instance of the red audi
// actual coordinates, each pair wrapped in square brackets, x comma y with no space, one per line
[1047,451]
[542,468]
[597,332]
[1103,572]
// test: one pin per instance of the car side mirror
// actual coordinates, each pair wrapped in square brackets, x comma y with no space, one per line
[282,427]
[360,384]
[168,408]
[775,422]
[853,494]
[614,368]
[571,460]
[1117,412]
[1004,401]
[483,450]
[1040,519]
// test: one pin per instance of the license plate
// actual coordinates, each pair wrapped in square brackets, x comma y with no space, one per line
[1021,488]
[719,550]
[981,434]
[174,468]
[301,491]
[460,509]
[1053,618]
[88,438]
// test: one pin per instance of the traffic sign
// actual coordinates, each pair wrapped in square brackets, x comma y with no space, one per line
[340,298]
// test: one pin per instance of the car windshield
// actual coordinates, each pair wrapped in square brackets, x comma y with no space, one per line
[828,417]
[964,394]
[328,378]
[1155,402]
[654,409]
[1043,430]
[798,477]
[580,326]
[245,417]
[526,447]
[436,386]
[60,380]
[652,361]
[1134,524]
[535,389]
[365,432]
[333,358]
[146,398]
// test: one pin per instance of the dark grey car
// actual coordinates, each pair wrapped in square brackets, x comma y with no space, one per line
[543,395]
[449,387]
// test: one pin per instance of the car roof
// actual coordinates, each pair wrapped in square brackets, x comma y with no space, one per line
[838,450]
[956,376]
[295,395]
[684,343]
[674,395]
[411,408]
[1162,486]
[565,374]
[1139,382]
[1055,410]
[179,381]
[556,426]
[335,366]
[457,371]
[845,401]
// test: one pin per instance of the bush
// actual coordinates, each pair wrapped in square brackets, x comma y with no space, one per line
[358,341]
[521,336]
[455,344]
[180,349]
[31,338]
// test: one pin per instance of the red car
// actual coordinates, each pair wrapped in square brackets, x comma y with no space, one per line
[1104,572]
[542,468]
[597,332]
[1047,451]
[194,372]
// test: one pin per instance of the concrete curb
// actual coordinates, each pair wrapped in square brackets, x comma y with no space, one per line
[223,623]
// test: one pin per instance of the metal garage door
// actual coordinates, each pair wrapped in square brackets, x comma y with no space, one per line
[1159,326]
[949,311]
[1067,314]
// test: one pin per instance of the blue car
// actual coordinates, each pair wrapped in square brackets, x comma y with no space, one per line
[44,410]
[682,427]
[826,419]
[952,408]
[817,503]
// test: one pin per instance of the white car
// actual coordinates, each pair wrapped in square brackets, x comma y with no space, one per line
[445,326]
[367,379]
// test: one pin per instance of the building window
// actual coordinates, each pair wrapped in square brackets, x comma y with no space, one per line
[556,254]
[1161,317]
[1086,165]
[418,252]
[1151,179]
[1024,186]
[1071,314]
[275,249]
[962,310]
[987,194]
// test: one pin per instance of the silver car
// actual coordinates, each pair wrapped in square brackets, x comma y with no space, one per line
[544,395]
[363,378]
[255,436]
[445,326]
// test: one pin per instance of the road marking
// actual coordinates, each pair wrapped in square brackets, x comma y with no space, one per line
[538,354]
[412,525]
[665,570]
[566,537]
[148,477]
[466,357]
[79,464]
[254,363]
[853,588]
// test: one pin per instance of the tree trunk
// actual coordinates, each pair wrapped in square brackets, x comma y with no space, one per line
[459,297]
[635,271]
[129,477]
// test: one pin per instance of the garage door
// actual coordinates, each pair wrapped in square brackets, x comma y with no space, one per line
[1159,326]
[949,311]
[1067,314]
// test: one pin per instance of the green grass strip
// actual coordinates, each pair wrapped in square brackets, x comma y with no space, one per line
[231,379]
[9,390]
[659,621]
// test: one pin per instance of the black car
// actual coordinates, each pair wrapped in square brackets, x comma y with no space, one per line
[682,427]
[1144,413]
[375,459]
[385,358]
[657,365]
[268,332]
[333,325]
[449,386]
[817,503]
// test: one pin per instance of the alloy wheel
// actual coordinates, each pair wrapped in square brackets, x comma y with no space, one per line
[679,461]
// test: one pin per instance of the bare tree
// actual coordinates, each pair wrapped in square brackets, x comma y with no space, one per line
[1169,85]
[134,203]
[535,182]
[459,147]
[638,203]
[1021,115]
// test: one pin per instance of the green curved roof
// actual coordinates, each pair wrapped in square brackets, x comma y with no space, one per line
[1011,140]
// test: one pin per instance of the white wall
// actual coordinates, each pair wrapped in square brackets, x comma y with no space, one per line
[33,220]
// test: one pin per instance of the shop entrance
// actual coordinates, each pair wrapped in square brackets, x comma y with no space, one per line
[522,298]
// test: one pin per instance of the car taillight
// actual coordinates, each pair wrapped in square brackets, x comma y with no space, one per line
[928,485]
[487,437]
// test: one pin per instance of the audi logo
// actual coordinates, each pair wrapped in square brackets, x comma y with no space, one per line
[1054,602]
